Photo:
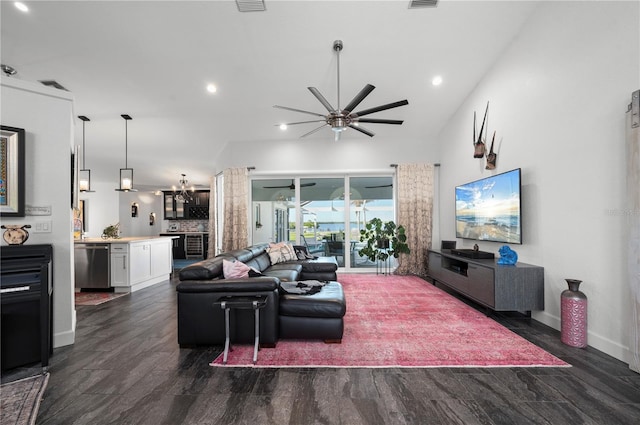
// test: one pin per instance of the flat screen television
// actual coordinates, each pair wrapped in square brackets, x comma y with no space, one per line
[489,209]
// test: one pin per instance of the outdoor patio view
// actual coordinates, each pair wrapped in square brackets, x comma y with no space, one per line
[328,217]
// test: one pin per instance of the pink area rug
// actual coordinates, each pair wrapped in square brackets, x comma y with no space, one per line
[403,321]
[96,298]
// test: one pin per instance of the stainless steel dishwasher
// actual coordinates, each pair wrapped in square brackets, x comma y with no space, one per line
[92,265]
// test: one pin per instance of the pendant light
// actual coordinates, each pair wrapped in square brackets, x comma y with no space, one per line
[126,174]
[183,196]
[84,174]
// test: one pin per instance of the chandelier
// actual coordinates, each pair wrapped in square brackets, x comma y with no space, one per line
[183,196]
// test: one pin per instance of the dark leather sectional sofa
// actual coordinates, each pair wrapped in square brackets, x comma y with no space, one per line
[203,287]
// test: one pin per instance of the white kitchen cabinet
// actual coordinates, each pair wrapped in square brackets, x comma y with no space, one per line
[140,262]
[137,263]
[119,263]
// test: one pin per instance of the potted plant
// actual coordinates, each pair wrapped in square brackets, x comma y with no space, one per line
[383,240]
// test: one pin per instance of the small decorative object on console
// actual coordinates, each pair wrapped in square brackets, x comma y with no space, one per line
[507,256]
[111,232]
[15,233]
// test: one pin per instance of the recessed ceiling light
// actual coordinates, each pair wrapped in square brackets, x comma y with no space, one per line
[437,80]
[211,88]
[21,6]
[283,126]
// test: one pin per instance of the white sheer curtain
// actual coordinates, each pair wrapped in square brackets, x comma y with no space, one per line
[236,196]
[633,197]
[415,209]
[213,208]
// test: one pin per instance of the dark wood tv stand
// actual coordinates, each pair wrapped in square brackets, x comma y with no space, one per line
[518,287]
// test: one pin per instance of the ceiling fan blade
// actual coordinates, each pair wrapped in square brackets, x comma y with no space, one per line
[299,122]
[380,121]
[307,184]
[275,187]
[313,131]
[298,110]
[362,130]
[380,108]
[321,98]
[359,98]
[375,187]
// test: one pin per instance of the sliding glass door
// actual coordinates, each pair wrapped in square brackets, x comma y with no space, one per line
[328,217]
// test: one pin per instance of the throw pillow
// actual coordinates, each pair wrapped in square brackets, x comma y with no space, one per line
[234,269]
[281,252]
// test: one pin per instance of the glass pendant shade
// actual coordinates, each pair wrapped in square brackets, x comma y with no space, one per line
[126,173]
[126,180]
[84,180]
[84,175]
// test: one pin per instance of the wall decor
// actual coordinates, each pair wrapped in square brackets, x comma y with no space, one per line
[478,142]
[12,151]
[491,156]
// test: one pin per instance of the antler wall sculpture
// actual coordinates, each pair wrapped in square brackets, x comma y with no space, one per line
[480,149]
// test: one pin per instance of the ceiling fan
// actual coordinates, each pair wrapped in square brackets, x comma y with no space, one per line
[376,187]
[339,119]
[292,186]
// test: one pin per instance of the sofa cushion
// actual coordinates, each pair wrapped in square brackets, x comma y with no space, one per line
[285,275]
[210,268]
[329,302]
[235,269]
[260,262]
[252,284]
[243,255]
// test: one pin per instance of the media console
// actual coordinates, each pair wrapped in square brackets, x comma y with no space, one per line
[518,287]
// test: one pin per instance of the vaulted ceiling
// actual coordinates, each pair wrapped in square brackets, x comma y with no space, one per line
[154,59]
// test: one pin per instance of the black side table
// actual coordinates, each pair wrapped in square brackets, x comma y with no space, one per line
[255,302]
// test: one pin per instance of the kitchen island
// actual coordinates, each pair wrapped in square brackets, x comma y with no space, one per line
[133,263]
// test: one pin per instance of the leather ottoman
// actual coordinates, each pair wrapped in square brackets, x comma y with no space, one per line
[316,316]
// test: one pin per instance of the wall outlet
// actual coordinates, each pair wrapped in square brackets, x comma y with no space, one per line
[42,227]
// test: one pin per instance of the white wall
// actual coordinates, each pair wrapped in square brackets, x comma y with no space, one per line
[558,100]
[148,203]
[326,155]
[46,116]
[101,207]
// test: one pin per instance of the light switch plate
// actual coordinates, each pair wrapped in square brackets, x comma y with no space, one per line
[42,226]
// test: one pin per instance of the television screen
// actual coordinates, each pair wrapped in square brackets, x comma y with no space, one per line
[489,209]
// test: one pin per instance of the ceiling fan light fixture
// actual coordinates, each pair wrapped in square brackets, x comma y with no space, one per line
[339,119]
[339,124]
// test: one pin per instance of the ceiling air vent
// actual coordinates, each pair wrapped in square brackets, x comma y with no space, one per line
[417,4]
[251,5]
[54,84]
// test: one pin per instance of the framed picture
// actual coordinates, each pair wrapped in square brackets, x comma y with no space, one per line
[12,141]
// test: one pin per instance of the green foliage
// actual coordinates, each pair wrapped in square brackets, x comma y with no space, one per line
[383,240]
[111,231]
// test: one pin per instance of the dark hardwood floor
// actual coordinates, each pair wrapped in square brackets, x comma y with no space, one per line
[126,368]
